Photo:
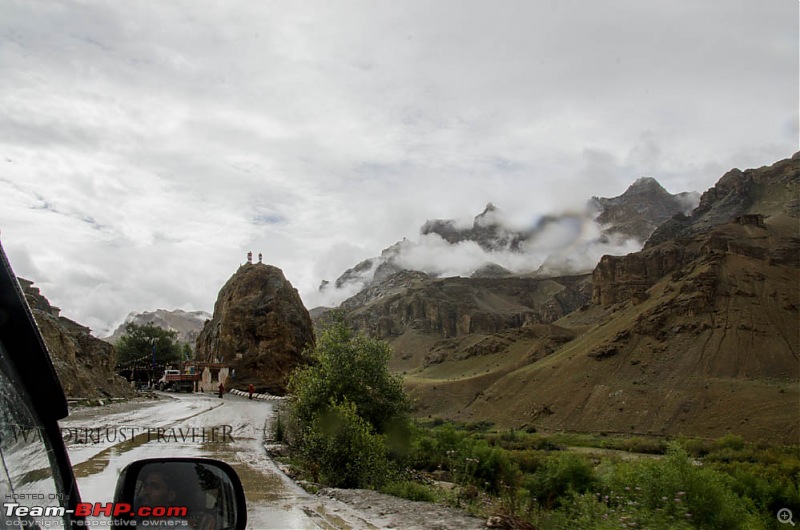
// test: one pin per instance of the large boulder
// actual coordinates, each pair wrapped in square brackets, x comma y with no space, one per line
[260,329]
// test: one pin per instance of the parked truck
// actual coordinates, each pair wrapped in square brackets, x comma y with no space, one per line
[178,382]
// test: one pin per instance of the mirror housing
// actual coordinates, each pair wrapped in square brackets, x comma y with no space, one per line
[191,493]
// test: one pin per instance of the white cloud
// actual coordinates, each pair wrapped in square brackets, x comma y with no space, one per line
[145,147]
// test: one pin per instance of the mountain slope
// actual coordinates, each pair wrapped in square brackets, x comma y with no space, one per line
[697,334]
[188,324]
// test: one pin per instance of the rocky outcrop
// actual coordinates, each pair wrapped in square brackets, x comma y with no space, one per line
[773,190]
[84,364]
[642,208]
[452,307]
[487,231]
[620,278]
[491,270]
[260,328]
[747,199]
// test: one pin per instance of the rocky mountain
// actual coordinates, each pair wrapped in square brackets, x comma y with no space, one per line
[767,191]
[696,334]
[84,364]
[554,244]
[438,322]
[260,328]
[188,324]
[487,230]
[642,208]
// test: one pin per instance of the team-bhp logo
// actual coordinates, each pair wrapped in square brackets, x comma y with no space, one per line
[141,516]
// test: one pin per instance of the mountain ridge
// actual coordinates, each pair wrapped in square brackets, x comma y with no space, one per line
[569,243]
[187,324]
[696,334]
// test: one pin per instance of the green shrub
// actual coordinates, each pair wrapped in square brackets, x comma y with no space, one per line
[479,426]
[643,445]
[558,476]
[489,468]
[440,448]
[349,366]
[678,489]
[410,490]
[729,441]
[768,489]
[341,448]
[528,461]
[588,512]
[347,419]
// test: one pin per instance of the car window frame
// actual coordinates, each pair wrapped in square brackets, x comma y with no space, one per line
[27,353]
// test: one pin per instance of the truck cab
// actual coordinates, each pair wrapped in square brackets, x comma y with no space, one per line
[177,381]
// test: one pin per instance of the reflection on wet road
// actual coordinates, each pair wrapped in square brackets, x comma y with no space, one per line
[101,441]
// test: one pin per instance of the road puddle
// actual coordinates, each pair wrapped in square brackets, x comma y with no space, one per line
[258,486]
[99,462]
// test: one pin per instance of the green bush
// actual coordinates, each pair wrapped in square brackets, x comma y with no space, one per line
[349,366]
[528,461]
[677,488]
[559,476]
[767,487]
[440,448]
[729,441]
[587,512]
[410,490]
[347,419]
[489,468]
[342,450]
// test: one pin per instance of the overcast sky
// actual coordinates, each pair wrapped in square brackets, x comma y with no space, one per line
[146,146]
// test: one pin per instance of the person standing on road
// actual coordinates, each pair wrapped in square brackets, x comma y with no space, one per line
[250,390]
[221,390]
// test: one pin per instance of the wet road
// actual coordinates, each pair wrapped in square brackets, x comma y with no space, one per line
[102,440]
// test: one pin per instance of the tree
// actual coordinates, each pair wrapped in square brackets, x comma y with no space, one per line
[186,351]
[348,366]
[141,344]
[348,417]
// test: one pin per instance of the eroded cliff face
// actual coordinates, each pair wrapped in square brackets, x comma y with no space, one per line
[454,307]
[764,200]
[620,278]
[260,328]
[84,364]
[770,191]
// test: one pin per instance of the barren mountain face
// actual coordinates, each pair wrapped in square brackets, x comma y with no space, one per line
[694,334]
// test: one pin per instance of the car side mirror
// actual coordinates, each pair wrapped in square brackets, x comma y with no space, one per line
[192,493]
